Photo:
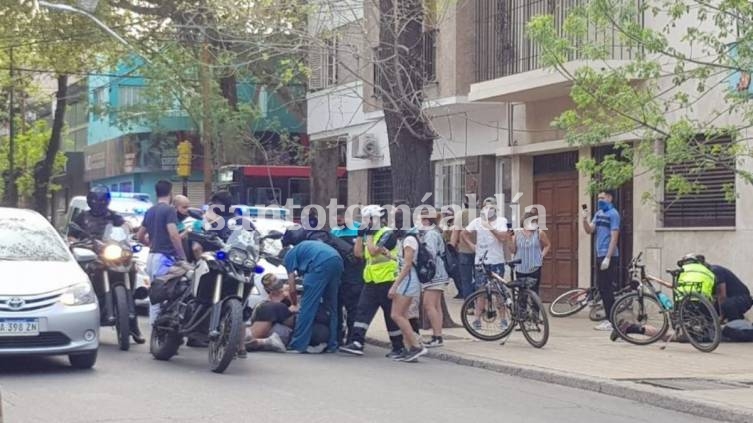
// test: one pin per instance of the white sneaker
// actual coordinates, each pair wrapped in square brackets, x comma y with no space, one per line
[275,343]
[606,325]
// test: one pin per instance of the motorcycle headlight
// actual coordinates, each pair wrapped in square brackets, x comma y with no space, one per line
[238,256]
[79,294]
[249,264]
[112,252]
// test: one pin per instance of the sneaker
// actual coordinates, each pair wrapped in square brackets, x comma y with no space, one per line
[396,354]
[436,341]
[604,326]
[274,342]
[316,349]
[470,311]
[414,353]
[476,324]
[354,348]
[503,324]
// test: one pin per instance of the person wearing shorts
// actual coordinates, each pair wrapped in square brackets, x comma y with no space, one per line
[407,286]
[434,290]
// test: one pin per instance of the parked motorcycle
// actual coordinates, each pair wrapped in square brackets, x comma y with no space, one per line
[205,301]
[109,264]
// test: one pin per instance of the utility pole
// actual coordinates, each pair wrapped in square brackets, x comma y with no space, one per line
[206,121]
[11,183]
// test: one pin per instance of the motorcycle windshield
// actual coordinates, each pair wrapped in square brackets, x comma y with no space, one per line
[244,240]
[115,234]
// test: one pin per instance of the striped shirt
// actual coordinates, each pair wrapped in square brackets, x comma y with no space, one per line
[528,251]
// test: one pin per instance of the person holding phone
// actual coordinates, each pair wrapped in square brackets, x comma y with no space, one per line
[606,225]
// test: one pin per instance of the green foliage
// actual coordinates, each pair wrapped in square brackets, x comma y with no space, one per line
[30,148]
[660,99]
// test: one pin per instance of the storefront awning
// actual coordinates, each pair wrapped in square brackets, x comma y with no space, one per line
[285,171]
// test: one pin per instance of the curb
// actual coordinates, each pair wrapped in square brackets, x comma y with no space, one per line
[625,390]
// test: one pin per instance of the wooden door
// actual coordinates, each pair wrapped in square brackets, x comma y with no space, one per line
[558,193]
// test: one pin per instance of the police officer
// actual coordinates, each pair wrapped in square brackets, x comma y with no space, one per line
[378,275]
[94,222]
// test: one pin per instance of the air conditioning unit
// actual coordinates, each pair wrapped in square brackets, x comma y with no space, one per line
[365,146]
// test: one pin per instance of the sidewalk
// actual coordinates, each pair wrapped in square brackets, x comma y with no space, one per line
[717,385]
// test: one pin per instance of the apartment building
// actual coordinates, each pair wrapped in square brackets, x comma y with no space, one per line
[492,103]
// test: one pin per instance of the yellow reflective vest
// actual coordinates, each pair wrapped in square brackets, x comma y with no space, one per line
[698,278]
[379,269]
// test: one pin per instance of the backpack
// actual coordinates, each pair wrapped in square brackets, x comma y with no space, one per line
[696,277]
[343,247]
[451,261]
[425,263]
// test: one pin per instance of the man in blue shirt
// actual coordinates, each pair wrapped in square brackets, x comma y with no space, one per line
[606,225]
[320,266]
[351,283]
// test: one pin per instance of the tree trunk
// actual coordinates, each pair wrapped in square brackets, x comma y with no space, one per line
[43,169]
[324,173]
[400,64]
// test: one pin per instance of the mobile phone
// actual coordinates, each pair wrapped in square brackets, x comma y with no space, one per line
[509,227]
[584,206]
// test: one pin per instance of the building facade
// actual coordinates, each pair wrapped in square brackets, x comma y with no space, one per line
[492,103]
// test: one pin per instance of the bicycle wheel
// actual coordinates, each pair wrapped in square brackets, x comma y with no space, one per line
[640,320]
[569,303]
[491,319]
[700,322]
[534,323]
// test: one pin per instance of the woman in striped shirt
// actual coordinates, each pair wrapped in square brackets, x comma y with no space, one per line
[530,245]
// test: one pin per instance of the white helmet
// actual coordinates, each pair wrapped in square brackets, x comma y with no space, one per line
[372,210]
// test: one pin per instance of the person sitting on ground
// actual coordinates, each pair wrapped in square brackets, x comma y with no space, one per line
[272,321]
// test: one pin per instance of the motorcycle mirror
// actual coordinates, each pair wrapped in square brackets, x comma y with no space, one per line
[196,213]
[274,235]
[274,261]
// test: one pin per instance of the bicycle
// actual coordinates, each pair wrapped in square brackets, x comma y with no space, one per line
[689,312]
[507,300]
[575,300]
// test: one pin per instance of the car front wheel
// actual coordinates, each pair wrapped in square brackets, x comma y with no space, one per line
[84,360]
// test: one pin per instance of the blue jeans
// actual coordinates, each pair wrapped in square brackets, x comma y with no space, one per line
[465,265]
[157,264]
[321,284]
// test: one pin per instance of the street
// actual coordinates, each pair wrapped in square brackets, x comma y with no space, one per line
[131,386]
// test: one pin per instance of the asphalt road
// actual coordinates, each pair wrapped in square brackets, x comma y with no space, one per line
[287,388]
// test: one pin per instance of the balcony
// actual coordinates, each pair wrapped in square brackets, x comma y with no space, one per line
[509,66]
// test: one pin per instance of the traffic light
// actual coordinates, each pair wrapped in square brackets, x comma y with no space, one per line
[184,159]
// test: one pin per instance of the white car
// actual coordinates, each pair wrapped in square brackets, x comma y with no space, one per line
[47,303]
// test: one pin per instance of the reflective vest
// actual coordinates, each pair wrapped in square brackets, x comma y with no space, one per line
[696,277]
[379,269]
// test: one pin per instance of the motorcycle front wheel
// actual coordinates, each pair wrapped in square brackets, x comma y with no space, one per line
[222,350]
[122,322]
[163,344]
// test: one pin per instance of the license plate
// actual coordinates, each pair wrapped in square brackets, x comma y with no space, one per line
[19,327]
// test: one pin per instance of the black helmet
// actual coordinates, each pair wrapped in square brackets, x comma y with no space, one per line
[294,236]
[98,200]
[224,200]
[388,240]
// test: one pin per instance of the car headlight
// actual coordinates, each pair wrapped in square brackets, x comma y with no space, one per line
[79,294]
[112,252]
[238,256]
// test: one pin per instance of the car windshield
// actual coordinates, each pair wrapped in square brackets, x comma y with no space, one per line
[25,240]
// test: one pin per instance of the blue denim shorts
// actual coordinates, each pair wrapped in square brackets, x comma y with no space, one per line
[479,279]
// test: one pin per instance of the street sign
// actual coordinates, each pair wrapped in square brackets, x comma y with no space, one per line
[184,159]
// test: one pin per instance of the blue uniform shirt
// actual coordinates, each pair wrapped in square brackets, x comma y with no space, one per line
[308,255]
[346,232]
[606,222]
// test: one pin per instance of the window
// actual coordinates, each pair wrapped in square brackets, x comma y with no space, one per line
[331,62]
[449,185]
[430,56]
[324,64]
[129,96]
[380,186]
[101,97]
[126,187]
[706,205]
[378,74]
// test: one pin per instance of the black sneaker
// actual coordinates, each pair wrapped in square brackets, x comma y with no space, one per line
[414,353]
[354,348]
[436,341]
[396,355]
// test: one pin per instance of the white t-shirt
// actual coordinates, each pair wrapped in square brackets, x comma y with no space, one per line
[485,239]
[408,241]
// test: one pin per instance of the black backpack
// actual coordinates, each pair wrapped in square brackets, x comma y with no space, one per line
[425,263]
[343,247]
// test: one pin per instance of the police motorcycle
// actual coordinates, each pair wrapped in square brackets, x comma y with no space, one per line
[110,266]
[205,300]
